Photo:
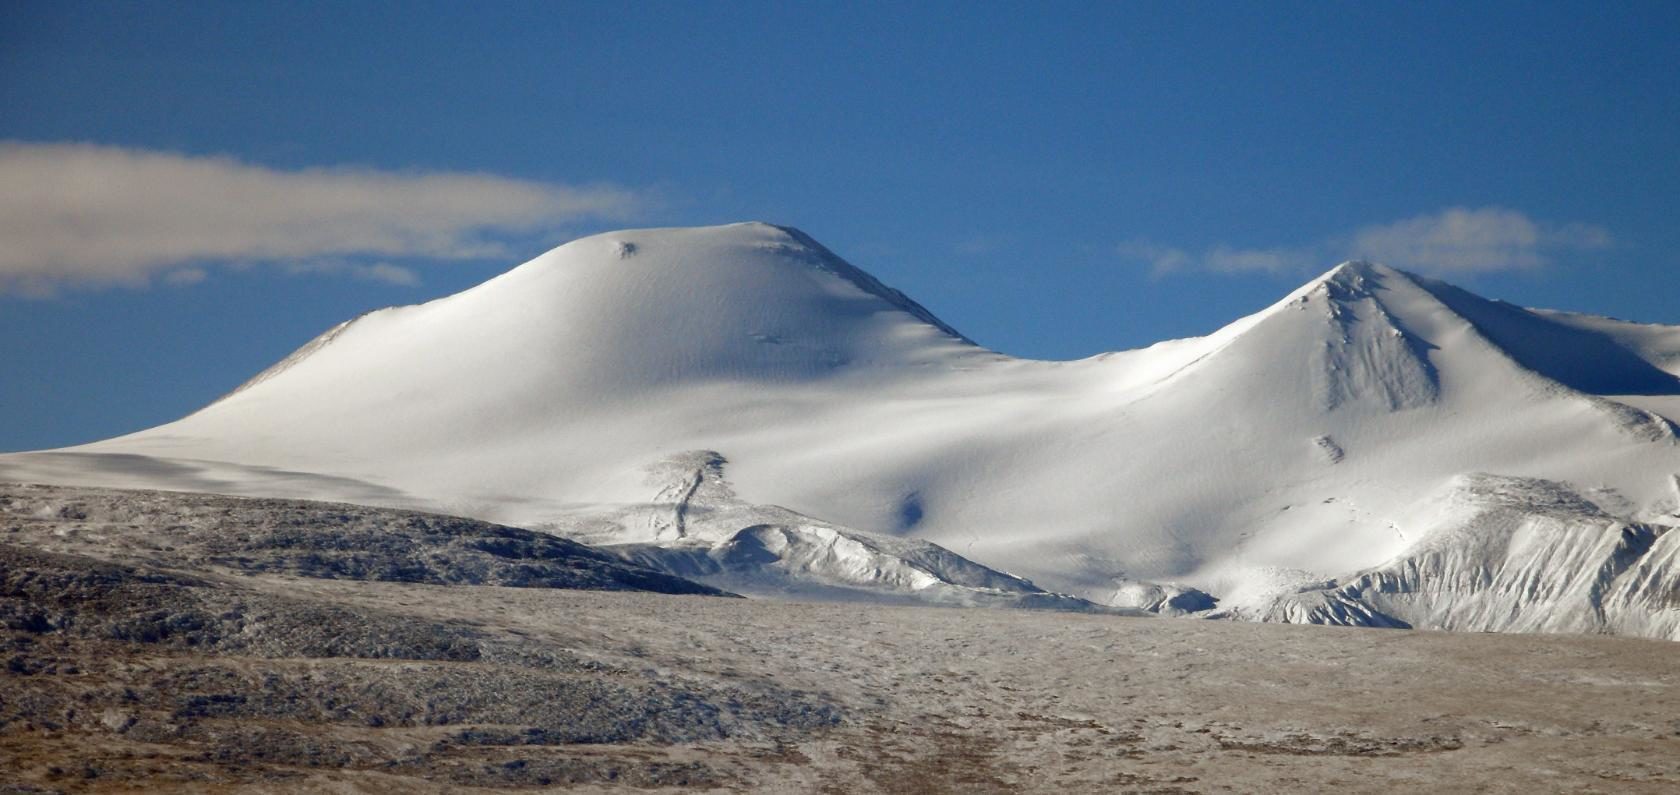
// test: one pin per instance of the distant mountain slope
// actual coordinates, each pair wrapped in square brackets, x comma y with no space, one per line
[1289,453]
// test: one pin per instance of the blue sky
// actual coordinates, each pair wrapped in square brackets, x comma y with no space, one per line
[189,191]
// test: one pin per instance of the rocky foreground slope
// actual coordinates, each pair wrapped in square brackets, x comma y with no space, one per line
[333,649]
[210,533]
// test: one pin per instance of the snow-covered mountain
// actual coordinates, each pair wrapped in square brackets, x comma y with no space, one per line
[737,402]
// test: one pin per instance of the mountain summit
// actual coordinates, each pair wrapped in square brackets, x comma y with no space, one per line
[1373,437]
[633,310]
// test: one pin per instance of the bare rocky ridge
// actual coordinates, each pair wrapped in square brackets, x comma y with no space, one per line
[312,539]
[142,654]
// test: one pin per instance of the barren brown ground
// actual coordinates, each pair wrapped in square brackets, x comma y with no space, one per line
[942,700]
[155,666]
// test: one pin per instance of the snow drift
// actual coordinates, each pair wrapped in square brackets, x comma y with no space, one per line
[1326,459]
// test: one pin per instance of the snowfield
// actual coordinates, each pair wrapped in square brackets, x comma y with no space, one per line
[740,406]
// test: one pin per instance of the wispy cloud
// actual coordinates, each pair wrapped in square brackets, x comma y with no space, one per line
[82,214]
[1164,259]
[1454,240]
[979,245]
[1468,240]
[383,272]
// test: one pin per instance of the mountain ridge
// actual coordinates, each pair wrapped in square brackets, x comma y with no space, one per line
[1296,446]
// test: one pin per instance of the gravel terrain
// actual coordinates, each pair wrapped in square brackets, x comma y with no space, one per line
[153,659]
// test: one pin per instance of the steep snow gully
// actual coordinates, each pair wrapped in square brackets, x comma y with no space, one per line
[739,405]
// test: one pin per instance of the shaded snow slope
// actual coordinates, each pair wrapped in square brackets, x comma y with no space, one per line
[1286,453]
[696,527]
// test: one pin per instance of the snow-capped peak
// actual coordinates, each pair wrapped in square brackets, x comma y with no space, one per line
[1349,281]
[1302,444]
[713,260]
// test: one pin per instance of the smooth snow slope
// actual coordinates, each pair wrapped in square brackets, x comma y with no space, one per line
[1304,444]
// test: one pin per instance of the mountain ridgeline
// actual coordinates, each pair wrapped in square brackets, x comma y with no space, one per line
[740,406]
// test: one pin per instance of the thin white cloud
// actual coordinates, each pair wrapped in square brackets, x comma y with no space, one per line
[1462,240]
[182,277]
[1219,259]
[1454,240]
[1161,259]
[979,245]
[388,273]
[82,214]
[383,272]
[1241,260]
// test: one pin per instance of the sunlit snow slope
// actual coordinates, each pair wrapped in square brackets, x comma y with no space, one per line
[1357,428]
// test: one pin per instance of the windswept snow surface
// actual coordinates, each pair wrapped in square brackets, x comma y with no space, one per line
[1269,464]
